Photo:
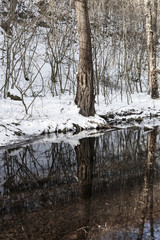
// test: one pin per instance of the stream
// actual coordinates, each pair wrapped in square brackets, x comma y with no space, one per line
[107,187]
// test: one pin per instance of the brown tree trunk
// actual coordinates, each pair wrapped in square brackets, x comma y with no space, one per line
[85,90]
[151,32]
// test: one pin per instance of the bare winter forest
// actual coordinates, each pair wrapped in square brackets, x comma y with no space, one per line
[87,53]
[39,47]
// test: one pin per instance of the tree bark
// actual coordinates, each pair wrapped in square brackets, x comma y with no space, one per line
[85,89]
[151,32]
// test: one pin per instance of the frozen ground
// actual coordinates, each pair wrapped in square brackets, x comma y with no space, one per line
[61,114]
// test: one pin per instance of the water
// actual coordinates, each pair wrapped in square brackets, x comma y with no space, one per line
[105,188]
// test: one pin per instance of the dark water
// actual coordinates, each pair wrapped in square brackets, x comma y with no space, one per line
[105,188]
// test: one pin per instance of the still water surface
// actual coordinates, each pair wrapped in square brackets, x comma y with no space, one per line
[105,188]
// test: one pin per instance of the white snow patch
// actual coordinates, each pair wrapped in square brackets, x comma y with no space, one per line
[52,114]
[46,115]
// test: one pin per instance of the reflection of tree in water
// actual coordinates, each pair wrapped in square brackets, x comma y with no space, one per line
[85,155]
[117,154]
[37,168]
[129,205]
[120,157]
[91,192]
[148,194]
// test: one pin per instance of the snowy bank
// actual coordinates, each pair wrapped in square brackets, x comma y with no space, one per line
[139,110]
[60,114]
[46,115]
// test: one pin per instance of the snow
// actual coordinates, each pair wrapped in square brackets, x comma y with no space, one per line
[139,102]
[55,114]
[48,114]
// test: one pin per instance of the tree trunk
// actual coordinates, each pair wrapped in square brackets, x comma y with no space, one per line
[151,32]
[85,90]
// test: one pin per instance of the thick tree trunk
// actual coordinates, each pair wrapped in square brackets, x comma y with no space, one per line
[151,32]
[85,90]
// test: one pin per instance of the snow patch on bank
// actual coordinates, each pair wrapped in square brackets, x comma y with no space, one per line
[60,114]
[140,107]
[45,116]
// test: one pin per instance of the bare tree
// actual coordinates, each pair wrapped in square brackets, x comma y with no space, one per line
[6,25]
[85,90]
[151,32]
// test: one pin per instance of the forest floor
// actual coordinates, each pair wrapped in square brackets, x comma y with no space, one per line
[61,115]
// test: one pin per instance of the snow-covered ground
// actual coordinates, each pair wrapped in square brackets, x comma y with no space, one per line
[47,114]
[55,114]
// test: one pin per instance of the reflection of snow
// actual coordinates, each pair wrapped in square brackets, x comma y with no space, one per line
[130,233]
[37,162]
